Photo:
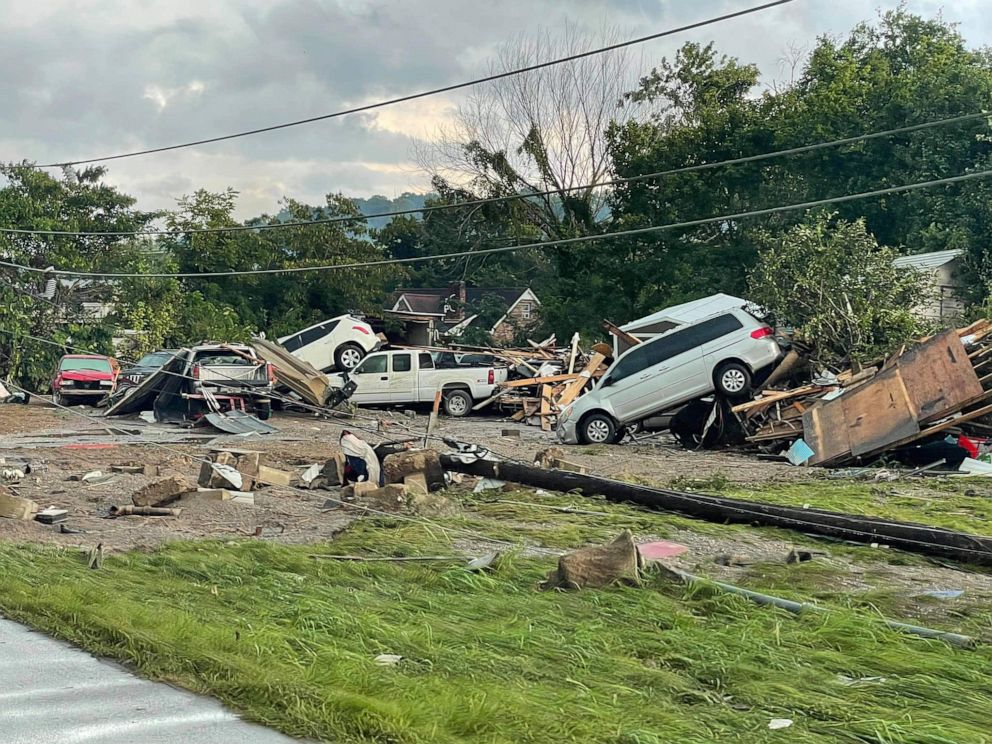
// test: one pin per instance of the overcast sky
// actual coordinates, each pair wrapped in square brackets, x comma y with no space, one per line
[86,79]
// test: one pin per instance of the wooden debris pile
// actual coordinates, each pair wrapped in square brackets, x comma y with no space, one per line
[943,383]
[559,377]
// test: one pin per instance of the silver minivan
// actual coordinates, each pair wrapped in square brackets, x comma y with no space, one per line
[721,353]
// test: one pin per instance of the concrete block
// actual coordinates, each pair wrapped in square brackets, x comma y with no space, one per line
[272,477]
[160,492]
[16,507]
[416,483]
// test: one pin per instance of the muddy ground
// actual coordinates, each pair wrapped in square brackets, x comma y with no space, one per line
[61,444]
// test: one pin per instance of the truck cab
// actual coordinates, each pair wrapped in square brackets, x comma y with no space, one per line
[411,376]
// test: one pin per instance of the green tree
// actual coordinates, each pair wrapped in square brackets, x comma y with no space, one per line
[836,286]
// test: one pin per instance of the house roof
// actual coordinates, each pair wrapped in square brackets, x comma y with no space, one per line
[927,260]
[430,300]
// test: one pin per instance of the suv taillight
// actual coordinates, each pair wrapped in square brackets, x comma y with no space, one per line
[762,332]
[196,372]
[492,377]
[271,371]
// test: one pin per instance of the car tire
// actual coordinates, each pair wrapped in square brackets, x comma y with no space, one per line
[732,380]
[264,412]
[60,400]
[348,356]
[598,429]
[457,403]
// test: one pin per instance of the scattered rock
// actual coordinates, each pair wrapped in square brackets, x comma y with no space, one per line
[598,566]
[16,507]
[546,457]
[416,483]
[160,492]
[333,471]
[398,466]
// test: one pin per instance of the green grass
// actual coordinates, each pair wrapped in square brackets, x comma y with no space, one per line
[290,641]
[963,504]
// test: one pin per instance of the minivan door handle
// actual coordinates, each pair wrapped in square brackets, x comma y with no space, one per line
[384,378]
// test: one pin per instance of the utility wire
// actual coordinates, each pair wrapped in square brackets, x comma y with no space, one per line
[432,91]
[505,249]
[514,197]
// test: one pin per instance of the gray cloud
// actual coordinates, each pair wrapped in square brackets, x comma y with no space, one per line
[134,74]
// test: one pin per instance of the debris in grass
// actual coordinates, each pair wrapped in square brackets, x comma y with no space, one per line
[730,559]
[488,484]
[388,659]
[779,723]
[656,551]
[483,562]
[598,566]
[856,681]
[943,593]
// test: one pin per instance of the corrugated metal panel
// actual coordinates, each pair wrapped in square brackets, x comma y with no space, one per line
[51,692]
[926,260]
[236,422]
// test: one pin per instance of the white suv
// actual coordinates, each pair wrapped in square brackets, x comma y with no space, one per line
[336,344]
[721,353]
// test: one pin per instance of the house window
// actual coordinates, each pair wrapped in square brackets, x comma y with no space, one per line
[526,310]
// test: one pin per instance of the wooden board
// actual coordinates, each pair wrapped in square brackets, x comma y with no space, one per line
[545,408]
[939,377]
[575,386]
[825,431]
[539,381]
[879,413]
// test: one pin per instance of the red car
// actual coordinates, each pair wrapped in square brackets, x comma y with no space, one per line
[84,378]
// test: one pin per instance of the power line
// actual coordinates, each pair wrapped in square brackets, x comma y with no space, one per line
[546,244]
[432,91]
[513,197]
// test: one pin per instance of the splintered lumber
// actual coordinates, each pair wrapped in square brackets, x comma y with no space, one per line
[545,408]
[574,388]
[776,396]
[929,382]
[617,331]
[572,352]
[916,538]
[529,381]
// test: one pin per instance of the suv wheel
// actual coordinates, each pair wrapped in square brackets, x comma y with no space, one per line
[733,380]
[599,429]
[347,357]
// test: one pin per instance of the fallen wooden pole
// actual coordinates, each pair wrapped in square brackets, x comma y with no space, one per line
[915,538]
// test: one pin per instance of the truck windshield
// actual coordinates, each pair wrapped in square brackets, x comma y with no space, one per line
[76,365]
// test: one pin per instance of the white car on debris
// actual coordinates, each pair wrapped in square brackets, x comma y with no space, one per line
[336,344]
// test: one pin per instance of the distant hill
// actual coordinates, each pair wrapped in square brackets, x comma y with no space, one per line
[379,203]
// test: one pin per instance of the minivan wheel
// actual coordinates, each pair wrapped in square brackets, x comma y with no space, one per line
[733,379]
[347,357]
[599,429]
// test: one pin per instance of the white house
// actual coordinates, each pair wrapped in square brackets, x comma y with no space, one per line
[942,270]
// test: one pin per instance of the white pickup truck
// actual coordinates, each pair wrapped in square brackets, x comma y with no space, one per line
[406,377]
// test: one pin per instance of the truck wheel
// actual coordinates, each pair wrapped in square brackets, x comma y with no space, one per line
[347,357]
[598,429]
[733,380]
[457,403]
[263,411]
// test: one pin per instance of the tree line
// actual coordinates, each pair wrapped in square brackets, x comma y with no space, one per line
[580,125]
